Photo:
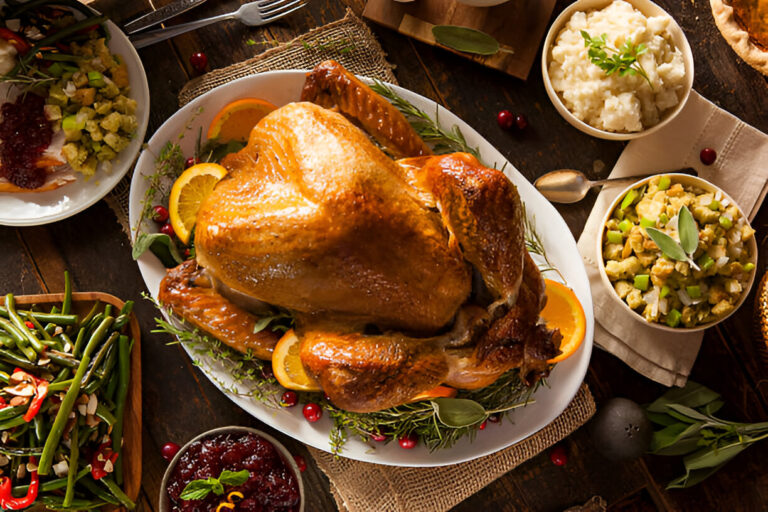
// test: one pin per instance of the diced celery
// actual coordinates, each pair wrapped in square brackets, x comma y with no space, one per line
[56,69]
[664,183]
[625,225]
[70,124]
[673,318]
[694,291]
[614,237]
[705,262]
[714,205]
[663,219]
[96,79]
[749,266]
[628,199]
[647,223]
[664,291]
[726,222]
[641,282]
[619,214]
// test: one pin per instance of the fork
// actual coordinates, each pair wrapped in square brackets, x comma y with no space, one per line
[253,14]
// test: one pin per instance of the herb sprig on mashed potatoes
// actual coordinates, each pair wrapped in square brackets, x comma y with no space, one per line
[617,102]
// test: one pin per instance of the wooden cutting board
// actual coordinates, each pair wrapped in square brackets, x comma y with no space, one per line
[518,25]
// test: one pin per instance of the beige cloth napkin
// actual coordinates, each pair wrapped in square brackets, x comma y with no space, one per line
[741,169]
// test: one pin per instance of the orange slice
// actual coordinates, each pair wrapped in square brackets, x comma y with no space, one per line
[563,311]
[236,120]
[436,392]
[188,193]
[287,367]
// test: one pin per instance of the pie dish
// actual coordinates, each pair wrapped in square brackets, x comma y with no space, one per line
[744,25]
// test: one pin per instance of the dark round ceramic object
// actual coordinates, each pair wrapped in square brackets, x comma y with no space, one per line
[621,430]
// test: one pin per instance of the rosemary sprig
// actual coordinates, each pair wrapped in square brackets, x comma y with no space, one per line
[611,60]
[534,245]
[443,141]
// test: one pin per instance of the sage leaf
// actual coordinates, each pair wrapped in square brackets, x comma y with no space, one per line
[692,395]
[465,39]
[658,418]
[708,458]
[688,231]
[667,244]
[674,434]
[234,477]
[458,412]
[261,324]
[714,406]
[692,478]
[681,447]
[689,413]
[161,246]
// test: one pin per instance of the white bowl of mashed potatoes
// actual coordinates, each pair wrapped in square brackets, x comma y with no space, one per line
[616,105]
[668,293]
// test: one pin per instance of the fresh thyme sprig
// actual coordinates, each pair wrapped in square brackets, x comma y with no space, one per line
[611,60]
[443,141]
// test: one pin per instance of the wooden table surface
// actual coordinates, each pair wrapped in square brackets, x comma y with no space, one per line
[179,402]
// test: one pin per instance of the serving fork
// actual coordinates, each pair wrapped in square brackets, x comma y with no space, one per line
[252,14]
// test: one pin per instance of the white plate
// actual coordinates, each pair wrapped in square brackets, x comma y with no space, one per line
[35,208]
[281,87]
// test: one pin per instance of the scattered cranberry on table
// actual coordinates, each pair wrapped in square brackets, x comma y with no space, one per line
[312,412]
[521,122]
[289,399]
[160,214]
[190,162]
[708,156]
[199,61]
[506,119]
[300,462]
[558,455]
[169,451]
[167,229]
[408,442]
[483,425]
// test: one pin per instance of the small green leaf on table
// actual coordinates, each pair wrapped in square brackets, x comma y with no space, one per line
[465,39]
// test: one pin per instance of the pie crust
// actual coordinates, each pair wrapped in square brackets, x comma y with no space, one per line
[736,30]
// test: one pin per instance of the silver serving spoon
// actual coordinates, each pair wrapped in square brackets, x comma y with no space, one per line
[570,186]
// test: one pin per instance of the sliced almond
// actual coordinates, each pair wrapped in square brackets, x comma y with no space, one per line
[93,402]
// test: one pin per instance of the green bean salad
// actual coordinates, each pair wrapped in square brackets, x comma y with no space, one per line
[64,383]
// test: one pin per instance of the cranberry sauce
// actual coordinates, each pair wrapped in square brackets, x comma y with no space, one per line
[271,487]
[25,133]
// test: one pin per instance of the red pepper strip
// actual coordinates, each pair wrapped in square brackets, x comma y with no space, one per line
[3,403]
[37,401]
[8,502]
[100,458]
[21,44]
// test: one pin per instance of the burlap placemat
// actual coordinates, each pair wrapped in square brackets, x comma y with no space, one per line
[360,486]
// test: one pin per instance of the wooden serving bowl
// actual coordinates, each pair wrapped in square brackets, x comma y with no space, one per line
[82,302]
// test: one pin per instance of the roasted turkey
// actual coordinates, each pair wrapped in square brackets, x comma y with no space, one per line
[400,274]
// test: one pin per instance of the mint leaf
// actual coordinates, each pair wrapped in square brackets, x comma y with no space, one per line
[234,477]
[197,489]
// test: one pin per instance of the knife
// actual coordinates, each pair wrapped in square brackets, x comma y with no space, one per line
[153,18]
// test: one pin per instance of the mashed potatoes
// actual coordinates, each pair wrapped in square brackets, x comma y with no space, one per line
[618,103]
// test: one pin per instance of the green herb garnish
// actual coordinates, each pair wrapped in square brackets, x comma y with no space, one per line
[689,239]
[199,489]
[611,60]
[689,428]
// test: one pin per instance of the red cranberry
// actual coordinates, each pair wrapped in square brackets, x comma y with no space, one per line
[29,325]
[289,399]
[169,451]
[312,412]
[300,462]
[199,61]
[506,119]
[521,122]
[167,229]
[187,253]
[483,425]
[190,162]
[379,438]
[494,418]
[408,442]
[558,455]
[160,214]
[708,156]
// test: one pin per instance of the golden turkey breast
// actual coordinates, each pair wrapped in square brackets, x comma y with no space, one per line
[400,274]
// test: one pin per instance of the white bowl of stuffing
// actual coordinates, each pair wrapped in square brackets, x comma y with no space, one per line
[617,69]
[677,252]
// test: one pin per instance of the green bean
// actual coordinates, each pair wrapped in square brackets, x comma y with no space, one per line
[7,340]
[61,385]
[68,403]
[19,338]
[109,393]
[62,375]
[40,428]
[92,313]
[125,315]
[15,359]
[52,318]
[55,503]
[118,492]
[65,341]
[20,431]
[98,491]
[66,304]
[104,414]
[10,304]
[74,454]
[52,485]
[30,317]
[62,359]
[100,355]
[85,434]
[78,346]
[11,423]
[19,451]
[4,377]
[10,412]
[124,375]
[95,321]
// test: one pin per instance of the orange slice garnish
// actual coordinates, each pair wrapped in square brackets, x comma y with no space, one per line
[287,367]
[236,120]
[564,312]
[187,194]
